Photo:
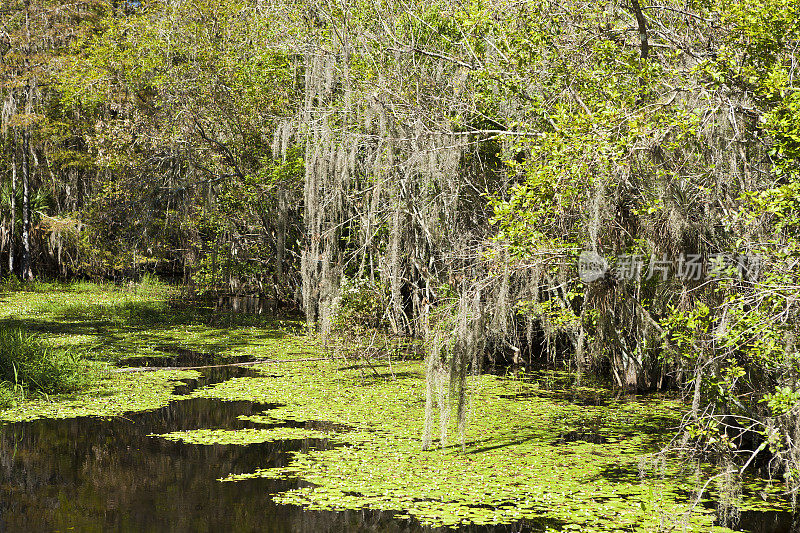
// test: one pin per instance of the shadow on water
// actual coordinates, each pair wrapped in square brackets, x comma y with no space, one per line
[578,436]
[765,522]
[91,474]
[184,357]
[211,376]
[752,521]
[248,304]
[768,522]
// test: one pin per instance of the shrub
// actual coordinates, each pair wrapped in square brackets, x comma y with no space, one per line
[358,326]
[361,303]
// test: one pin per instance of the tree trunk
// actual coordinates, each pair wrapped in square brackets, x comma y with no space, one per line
[280,244]
[25,265]
[26,272]
[13,237]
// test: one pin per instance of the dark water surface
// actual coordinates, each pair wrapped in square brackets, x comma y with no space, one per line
[250,304]
[90,474]
[183,357]
[769,522]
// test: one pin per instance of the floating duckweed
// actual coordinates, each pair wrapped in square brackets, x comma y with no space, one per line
[537,448]
[242,436]
[113,395]
[515,462]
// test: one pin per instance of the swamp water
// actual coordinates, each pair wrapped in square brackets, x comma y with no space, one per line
[247,304]
[93,474]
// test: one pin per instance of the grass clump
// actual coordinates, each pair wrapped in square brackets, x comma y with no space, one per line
[29,364]
[7,396]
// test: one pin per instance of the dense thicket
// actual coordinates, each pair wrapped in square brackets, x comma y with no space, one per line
[441,167]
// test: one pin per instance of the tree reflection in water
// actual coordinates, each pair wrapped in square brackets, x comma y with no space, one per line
[89,474]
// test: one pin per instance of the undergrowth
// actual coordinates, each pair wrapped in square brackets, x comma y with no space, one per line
[29,365]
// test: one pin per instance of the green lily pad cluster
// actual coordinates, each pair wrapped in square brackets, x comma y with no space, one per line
[242,436]
[111,395]
[539,446]
[527,453]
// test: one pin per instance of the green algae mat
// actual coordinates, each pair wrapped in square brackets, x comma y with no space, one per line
[536,448]
[112,394]
[527,452]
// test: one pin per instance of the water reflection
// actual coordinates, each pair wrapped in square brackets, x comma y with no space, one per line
[247,304]
[768,522]
[183,357]
[90,474]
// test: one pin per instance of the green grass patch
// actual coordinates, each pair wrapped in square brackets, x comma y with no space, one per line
[110,322]
[29,364]
[7,396]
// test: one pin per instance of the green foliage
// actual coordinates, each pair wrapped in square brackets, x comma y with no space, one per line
[7,396]
[553,312]
[779,205]
[687,327]
[361,304]
[357,329]
[625,156]
[783,123]
[783,400]
[180,136]
[29,363]
[205,77]
[758,55]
